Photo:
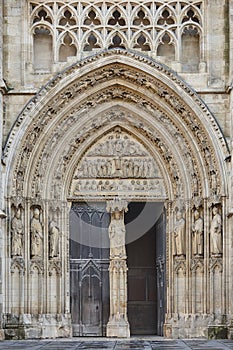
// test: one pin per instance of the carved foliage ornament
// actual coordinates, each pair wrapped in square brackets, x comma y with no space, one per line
[186,116]
[72,70]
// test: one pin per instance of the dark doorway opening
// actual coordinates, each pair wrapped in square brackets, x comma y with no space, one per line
[145,238]
[89,263]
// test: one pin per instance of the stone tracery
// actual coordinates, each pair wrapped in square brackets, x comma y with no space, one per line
[147,26]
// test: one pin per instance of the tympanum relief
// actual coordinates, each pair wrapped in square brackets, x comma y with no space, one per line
[118,165]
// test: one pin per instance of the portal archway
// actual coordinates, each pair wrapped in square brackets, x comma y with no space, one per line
[44,155]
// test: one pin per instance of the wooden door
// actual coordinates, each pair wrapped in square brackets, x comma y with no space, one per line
[89,263]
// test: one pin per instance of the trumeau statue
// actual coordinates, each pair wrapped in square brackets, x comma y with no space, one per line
[198,227]
[17,234]
[53,240]
[117,235]
[216,232]
[36,234]
[179,235]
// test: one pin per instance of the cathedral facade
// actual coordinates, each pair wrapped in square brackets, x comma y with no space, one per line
[116,192]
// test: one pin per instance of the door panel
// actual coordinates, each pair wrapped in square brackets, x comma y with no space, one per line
[142,300]
[89,263]
[91,302]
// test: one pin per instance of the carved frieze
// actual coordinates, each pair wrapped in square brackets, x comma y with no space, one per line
[118,164]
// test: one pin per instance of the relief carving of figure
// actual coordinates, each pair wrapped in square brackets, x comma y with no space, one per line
[198,226]
[117,235]
[17,234]
[36,234]
[53,240]
[179,235]
[216,232]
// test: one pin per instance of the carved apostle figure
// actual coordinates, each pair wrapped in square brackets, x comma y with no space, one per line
[36,234]
[17,234]
[197,234]
[53,240]
[216,232]
[117,235]
[179,235]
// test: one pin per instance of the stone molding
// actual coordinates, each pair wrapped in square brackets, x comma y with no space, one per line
[62,128]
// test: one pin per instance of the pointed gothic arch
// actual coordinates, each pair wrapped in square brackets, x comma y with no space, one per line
[151,106]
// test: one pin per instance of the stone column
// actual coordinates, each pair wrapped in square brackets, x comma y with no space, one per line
[118,325]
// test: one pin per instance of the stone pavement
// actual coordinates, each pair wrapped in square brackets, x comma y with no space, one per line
[135,343]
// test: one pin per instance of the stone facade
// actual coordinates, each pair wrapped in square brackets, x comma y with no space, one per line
[116,101]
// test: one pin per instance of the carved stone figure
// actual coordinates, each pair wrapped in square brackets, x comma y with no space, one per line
[179,235]
[53,240]
[17,234]
[216,232]
[198,226]
[36,234]
[117,235]
[118,323]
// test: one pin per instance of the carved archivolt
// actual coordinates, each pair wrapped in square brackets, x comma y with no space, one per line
[117,124]
[78,108]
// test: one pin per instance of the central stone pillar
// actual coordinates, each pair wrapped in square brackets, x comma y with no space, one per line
[118,325]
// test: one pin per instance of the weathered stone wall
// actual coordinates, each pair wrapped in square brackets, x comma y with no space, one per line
[39,171]
[24,80]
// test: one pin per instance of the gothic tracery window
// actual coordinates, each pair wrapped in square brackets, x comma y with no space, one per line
[67,48]
[166,47]
[170,30]
[91,43]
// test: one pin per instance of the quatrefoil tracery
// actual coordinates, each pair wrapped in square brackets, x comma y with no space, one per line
[140,26]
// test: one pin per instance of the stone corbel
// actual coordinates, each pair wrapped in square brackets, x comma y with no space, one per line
[117,204]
